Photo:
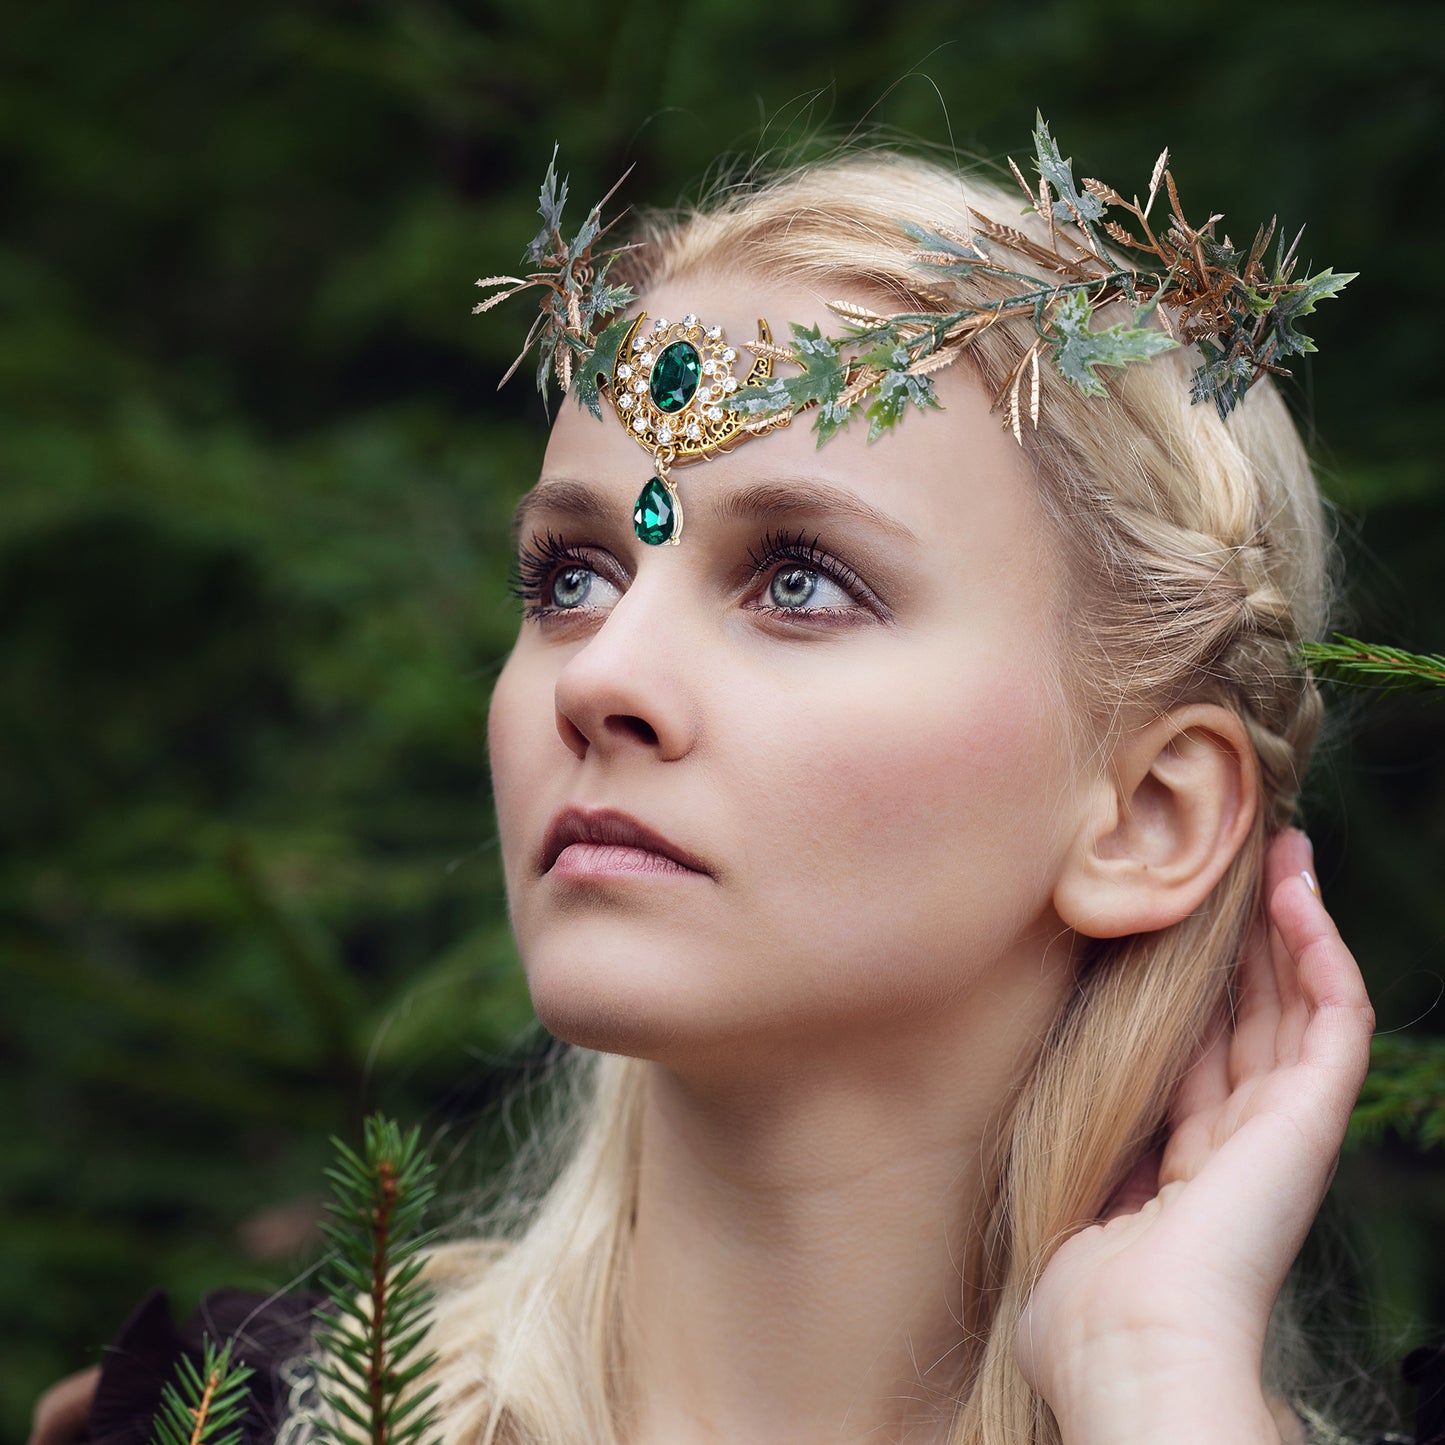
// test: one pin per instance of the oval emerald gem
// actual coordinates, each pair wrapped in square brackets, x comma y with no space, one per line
[654,519]
[675,376]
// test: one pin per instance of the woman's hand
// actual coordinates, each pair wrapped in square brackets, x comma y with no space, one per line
[1151,1325]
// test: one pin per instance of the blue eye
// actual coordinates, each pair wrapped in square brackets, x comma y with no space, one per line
[797,588]
[806,579]
[571,586]
[551,578]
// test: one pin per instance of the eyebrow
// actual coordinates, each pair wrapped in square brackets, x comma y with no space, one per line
[774,500]
[560,494]
[787,496]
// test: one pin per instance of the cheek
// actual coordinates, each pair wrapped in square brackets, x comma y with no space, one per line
[924,741]
[520,730]
[926,807]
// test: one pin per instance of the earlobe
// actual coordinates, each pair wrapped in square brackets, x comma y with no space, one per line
[1164,822]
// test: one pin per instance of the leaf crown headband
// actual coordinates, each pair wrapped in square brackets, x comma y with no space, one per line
[674,385]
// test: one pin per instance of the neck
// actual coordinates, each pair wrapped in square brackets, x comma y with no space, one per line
[800,1232]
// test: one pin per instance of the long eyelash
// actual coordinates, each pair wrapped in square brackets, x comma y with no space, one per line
[535,563]
[800,547]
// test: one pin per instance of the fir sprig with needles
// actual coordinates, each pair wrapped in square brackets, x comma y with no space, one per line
[367,1350]
[1373,664]
[203,1404]
[369,1343]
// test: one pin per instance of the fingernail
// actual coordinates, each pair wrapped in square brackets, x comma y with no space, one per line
[1310,883]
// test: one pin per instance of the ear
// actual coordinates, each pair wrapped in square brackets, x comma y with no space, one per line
[1166,819]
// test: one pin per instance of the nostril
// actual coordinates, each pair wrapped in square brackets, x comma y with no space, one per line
[634,727]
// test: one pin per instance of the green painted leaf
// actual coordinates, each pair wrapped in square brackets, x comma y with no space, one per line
[896,391]
[820,381]
[1289,340]
[1222,377]
[549,206]
[1058,171]
[1079,350]
[599,364]
[830,420]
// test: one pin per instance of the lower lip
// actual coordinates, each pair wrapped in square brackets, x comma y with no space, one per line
[612,860]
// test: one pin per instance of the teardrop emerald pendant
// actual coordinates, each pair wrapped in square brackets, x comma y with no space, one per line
[657,517]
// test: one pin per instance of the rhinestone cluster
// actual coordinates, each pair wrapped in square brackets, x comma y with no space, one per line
[669,383]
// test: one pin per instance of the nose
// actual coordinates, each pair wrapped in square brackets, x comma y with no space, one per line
[628,687]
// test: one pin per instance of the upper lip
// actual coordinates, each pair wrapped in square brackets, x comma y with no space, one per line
[607,825]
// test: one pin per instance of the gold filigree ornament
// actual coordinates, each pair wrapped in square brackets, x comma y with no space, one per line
[670,386]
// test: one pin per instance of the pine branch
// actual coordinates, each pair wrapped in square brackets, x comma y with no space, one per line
[203,1406]
[1371,664]
[370,1345]
[1404,1092]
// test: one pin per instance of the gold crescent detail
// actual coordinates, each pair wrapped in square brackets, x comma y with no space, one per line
[701,426]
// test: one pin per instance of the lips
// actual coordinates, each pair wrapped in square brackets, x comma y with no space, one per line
[606,826]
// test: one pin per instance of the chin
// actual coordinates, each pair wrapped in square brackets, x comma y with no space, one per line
[618,1009]
[604,1028]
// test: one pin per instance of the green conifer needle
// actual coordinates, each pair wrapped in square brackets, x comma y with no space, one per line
[203,1406]
[370,1344]
[1372,664]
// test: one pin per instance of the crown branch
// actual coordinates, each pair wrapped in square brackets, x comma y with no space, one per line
[1198,286]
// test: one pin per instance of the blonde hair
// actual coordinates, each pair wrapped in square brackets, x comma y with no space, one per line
[1197,551]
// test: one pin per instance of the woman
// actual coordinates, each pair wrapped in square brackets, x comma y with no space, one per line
[968,1050]
[893,838]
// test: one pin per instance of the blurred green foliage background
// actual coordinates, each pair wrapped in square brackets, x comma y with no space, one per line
[254,479]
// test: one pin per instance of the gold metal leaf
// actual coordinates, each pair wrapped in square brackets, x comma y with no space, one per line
[1107,194]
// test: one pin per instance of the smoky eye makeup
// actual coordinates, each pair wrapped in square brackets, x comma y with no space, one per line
[551,577]
[790,576]
[796,576]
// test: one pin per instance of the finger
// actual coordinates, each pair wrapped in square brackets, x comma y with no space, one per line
[1257,1006]
[1341,1020]
[1137,1187]
[1294,1008]
[1201,1094]
[1290,855]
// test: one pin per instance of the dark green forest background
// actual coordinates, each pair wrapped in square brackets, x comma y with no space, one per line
[254,478]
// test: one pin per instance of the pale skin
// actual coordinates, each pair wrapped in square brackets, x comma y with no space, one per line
[856,734]
[899,839]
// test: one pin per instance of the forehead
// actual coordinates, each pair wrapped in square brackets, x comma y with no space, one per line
[952,478]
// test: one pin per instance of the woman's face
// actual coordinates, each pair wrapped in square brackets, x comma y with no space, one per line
[835,698]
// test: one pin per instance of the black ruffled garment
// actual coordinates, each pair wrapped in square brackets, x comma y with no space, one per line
[270,1332]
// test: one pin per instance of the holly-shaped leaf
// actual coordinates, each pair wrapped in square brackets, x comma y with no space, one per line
[1300,302]
[549,206]
[599,364]
[1223,377]
[1058,171]
[895,392]
[1079,351]
[821,379]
